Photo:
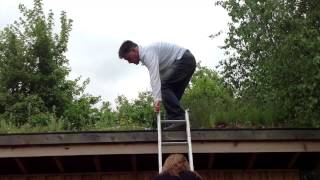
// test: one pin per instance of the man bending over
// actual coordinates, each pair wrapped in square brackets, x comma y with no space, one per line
[170,67]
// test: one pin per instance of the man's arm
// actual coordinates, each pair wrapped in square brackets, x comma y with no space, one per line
[152,63]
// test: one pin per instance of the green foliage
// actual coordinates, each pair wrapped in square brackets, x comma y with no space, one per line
[273,50]
[108,118]
[32,58]
[243,115]
[212,104]
[33,71]
[137,113]
[25,109]
[206,96]
[80,114]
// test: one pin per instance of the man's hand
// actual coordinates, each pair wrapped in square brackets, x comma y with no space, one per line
[157,105]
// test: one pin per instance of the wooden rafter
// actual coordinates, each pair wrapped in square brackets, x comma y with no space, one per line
[251,161]
[211,161]
[59,164]
[134,162]
[21,165]
[293,160]
[97,163]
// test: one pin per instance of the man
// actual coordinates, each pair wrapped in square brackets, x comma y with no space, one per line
[170,68]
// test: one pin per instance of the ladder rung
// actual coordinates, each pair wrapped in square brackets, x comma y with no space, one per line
[174,143]
[173,121]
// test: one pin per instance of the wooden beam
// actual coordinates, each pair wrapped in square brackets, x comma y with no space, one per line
[21,165]
[151,148]
[293,160]
[97,163]
[251,161]
[151,136]
[59,164]
[211,161]
[278,174]
[134,162]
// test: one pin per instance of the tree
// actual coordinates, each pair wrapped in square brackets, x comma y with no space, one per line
[34,69]
[274,57]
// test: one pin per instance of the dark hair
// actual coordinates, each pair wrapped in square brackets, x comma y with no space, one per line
[125,47]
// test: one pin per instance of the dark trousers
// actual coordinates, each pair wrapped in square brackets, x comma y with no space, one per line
[174,84]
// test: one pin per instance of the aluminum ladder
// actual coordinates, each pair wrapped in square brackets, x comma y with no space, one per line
[167,143]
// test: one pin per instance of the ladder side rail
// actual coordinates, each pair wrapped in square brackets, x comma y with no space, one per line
[159,142]
[189,141]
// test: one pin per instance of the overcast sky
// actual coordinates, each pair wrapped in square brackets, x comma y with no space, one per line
[100,26]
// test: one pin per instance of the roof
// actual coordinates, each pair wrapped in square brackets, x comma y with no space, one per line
[213,149]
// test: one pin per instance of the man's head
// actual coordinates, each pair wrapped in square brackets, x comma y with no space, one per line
[129,51]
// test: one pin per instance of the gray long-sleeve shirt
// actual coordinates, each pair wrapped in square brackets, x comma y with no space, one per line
[158,57]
